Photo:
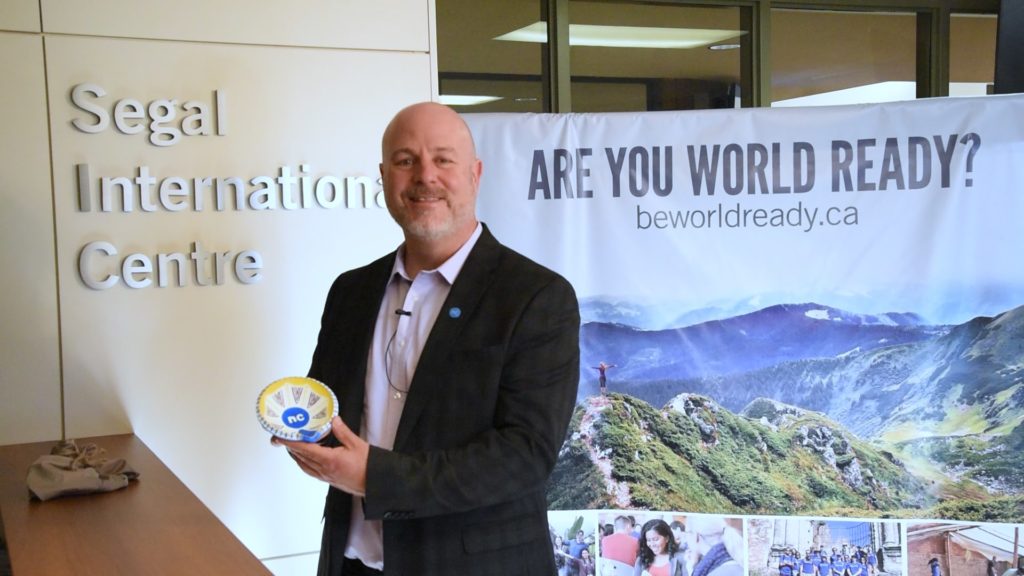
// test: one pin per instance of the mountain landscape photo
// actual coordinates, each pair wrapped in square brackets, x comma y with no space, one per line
[801,409]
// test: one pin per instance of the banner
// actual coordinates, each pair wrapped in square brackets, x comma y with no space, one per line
[810,319]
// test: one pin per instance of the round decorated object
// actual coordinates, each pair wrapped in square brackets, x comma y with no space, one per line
[297,408]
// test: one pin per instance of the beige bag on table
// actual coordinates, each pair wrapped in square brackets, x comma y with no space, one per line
[69,470]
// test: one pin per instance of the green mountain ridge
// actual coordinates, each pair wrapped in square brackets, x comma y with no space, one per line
[695,456]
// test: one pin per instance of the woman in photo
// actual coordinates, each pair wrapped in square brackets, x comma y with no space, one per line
[659,553]
[584,565]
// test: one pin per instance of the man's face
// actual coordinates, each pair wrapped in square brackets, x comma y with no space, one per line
[430,173]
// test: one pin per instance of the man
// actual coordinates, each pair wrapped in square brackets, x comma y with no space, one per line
[787,562]
[718,545]
[679,535]
[856,567]
[839,565]
[807,565]
[457,361]
[634,529]
[576,548]
[621,546]
[825,566]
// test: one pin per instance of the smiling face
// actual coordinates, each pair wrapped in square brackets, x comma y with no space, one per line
[430,174]
[656,541]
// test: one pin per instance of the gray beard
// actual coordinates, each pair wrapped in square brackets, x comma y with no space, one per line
[425,231]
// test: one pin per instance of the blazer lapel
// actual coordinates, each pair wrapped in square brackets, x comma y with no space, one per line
[469,288]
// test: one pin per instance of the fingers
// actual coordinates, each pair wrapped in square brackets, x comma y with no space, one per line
[303,457]
[309,457]
[343,433]
[315,473]
[341,466]
[340,430]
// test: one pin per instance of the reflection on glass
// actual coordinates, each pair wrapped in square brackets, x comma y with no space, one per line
[619,36]
[500,76]
[972,54]
[826,57]
[629,78]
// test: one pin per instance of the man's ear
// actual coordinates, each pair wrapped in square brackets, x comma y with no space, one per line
[478,170]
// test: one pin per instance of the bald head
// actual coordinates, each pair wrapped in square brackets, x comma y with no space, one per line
[708,526]
[430,174]
[428,115]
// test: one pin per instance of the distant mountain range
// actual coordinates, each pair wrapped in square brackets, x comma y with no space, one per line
[934,396]
[672,314]
[948,304]
[742,343]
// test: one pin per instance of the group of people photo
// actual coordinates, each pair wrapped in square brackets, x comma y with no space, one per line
[575,557]
[657,545]
[846,560]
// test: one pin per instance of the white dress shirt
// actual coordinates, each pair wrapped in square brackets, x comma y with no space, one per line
[404,321]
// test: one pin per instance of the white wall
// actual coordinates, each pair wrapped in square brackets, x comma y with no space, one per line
[30,401]
[19,15]
[308,83]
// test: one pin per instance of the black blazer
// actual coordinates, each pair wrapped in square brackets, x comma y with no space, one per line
[463,491]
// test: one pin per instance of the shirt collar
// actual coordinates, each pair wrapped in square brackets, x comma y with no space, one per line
[450,268]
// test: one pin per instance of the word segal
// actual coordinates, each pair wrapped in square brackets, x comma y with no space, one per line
[131,116]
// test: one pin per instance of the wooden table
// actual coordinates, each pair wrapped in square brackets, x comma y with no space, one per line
[155,526]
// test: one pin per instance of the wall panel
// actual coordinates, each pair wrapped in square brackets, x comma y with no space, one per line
[19,15]
[390,25]
[182,365]
[30,401]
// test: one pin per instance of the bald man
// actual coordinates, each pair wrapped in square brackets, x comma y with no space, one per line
[455,361]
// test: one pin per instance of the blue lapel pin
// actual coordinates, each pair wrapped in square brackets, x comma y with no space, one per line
[454,312]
